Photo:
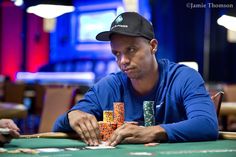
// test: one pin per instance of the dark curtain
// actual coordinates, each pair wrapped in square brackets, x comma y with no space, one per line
[222,52]
[180,32]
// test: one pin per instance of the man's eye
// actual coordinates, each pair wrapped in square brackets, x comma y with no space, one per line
[131,50]
[117,54]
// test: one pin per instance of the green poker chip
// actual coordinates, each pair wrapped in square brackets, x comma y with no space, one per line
[148,111]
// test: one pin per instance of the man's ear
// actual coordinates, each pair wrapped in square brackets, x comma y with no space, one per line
[154,45]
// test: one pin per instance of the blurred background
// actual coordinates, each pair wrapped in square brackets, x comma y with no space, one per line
[43,50]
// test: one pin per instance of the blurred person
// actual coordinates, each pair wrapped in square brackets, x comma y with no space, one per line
[13,131]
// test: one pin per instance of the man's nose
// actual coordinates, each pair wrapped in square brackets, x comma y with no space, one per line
[124,59]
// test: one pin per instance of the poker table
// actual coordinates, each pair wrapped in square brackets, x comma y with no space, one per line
[219,148]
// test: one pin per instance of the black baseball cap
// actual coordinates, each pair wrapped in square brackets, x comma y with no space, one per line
[131,24]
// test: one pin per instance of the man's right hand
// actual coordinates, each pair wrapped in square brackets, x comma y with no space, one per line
[86,126]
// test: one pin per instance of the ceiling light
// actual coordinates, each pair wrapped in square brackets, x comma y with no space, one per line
[18,2]
[49,10]
[228,22]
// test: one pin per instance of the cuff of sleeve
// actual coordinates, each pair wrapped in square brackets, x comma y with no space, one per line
[62,124]
[168,132]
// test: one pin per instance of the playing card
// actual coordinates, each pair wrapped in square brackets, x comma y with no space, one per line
[101,146]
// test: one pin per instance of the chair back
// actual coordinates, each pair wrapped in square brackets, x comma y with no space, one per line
[217,99]
[37,107]
[57,101]
[12,98]
[230,92]
[14,92]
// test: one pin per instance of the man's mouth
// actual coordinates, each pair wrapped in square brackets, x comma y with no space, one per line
[128,70]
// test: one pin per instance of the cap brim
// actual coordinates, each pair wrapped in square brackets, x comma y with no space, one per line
[104,36]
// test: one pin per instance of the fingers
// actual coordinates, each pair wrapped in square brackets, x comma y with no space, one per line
[88,132]
[13,126]
[86,126]
[115,139]
[93,131]
[14,134]
[129,133]
[79,131]
[6,138]
[118,136]
[8,123]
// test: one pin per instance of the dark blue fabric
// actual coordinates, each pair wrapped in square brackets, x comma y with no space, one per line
[183,107]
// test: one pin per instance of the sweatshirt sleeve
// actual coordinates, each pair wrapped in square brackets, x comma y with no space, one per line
[97,99]
[201,123]
[62,124]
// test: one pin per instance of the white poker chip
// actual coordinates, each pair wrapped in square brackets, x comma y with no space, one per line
[4,131]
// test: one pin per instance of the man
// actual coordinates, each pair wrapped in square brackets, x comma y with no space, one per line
[183,108]
[13,131]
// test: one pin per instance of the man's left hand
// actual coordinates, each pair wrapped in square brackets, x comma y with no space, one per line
[129,133]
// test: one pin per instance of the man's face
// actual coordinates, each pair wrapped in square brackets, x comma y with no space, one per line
[133,55]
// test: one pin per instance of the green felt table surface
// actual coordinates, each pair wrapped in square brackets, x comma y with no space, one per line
[220,148]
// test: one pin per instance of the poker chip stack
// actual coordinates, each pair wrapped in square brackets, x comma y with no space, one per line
[119,113]
[111,122]
[108,116]
[148,110]
[107,126]
[106,129]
